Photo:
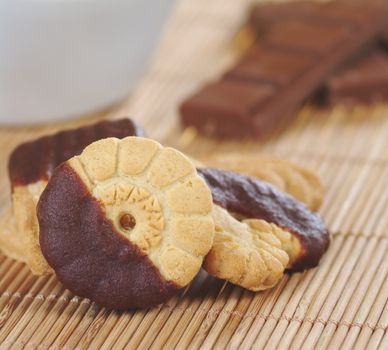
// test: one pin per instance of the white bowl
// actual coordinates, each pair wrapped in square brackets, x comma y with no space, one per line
[62,58]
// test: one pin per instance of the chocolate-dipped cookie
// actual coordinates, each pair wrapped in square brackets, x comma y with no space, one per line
[289,177]
[127,223]
[31,165]
[247,253]
[249,198]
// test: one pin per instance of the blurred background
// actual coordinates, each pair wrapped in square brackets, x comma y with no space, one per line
[63,58]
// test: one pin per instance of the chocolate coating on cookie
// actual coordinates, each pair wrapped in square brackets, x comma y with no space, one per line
[89,256]
[36,160]
[252,198]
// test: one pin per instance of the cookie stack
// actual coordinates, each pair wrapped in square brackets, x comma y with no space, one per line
[126,222]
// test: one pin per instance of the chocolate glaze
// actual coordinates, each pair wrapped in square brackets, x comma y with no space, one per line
[36,160]
[253,198]
[88,255]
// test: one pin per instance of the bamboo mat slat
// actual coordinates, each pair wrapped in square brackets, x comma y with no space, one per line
[341,304]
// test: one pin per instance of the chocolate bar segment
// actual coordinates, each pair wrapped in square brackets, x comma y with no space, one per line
[264,16]
[36,160]
[364,81]
[217,106]
[314,38]
[324,41]
[271,66]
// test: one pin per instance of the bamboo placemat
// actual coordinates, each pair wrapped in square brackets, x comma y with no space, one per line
[342,303]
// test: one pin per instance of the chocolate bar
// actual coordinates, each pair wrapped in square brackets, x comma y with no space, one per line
[364,81]
[292,59]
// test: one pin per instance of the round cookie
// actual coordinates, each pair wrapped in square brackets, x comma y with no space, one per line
[127,223]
